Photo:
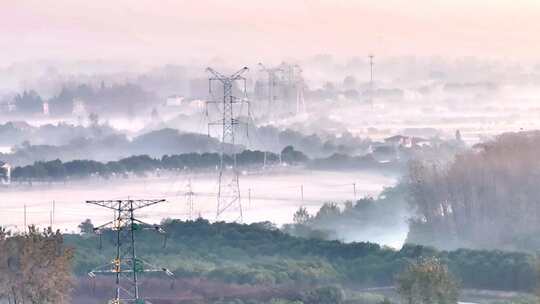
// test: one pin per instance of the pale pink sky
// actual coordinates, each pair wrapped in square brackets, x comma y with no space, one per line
[166,30]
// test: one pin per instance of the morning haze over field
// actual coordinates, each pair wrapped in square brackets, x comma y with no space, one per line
[269,152]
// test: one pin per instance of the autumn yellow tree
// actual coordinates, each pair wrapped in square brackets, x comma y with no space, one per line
[427,281]
[35,267]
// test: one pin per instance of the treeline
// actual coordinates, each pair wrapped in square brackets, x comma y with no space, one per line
[124,99]
[57,170]
[367,218]
[488,197]
[261,254]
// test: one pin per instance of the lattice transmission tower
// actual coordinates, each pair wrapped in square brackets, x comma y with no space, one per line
[300,86]
[274,80]
[230,108]
[126,265]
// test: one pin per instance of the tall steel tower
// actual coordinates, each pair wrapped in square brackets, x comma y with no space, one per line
[273,81]
[126,266]
[300,86]
[230,106]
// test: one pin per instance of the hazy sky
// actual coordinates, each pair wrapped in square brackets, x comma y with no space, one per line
[156,31]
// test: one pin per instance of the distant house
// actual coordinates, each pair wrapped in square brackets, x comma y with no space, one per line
[398,140]
[79,108]
[8,107]
[407,141]
[5,173]
[46,108]
[175,101]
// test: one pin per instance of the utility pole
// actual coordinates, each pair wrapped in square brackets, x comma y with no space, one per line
[228,179]
[126,266]
[25,225]
[302,194]
[189,200]
[354,192]
[54,212]
[52,215]
[371,56]
[249,197]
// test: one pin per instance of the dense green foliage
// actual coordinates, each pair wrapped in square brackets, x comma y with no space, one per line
[260,253]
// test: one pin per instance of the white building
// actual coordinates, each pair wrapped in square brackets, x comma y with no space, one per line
[79,108]
[175,101]
[5,173]
[46,108]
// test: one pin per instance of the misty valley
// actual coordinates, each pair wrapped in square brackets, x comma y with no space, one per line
[324,152]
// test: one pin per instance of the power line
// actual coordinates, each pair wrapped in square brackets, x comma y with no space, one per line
[126,266]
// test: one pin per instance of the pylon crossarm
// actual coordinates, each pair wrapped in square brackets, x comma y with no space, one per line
[153,226]
[216,123]
[154,268]
[125,205]
[104,269]
[106,204]
[138,204]
[237,75]
[217,75]
[98,229]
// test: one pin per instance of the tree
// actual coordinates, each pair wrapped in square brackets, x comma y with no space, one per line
[29,102]
[301,216]
[427,281]
[328,211]
[325,295]
[94,119]
[292,156]
[86,226]
[486,197]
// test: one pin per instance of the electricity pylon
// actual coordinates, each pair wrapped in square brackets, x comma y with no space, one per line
[293,77]
[228,180]
[300,86]
[126,266]
[273,81]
